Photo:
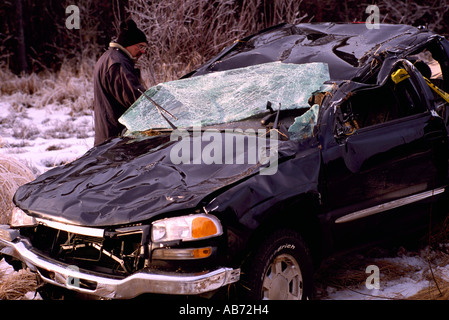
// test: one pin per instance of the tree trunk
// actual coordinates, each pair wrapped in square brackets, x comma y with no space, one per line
[120,8]
[21,45]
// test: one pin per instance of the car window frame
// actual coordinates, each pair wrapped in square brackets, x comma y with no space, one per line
[426,98]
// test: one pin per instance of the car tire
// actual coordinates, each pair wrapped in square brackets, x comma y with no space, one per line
[280,269]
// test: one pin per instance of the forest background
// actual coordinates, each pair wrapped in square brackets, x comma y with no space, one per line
[182,34]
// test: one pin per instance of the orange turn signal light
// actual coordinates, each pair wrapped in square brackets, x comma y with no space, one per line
[202,253]
[203,227]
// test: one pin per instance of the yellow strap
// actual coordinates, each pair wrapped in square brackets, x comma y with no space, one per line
[440,92]
[401,74]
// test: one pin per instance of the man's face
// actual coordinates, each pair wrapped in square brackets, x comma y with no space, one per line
[137,50]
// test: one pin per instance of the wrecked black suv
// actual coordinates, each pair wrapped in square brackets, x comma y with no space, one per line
[290,145]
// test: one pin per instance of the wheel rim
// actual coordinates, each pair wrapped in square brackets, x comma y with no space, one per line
[283,279]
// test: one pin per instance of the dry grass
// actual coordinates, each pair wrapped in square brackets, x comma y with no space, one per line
[12,175]
[438,289]
[71,86]
[438,283]
[15,285]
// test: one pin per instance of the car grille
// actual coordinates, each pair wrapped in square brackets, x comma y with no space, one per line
[117,254]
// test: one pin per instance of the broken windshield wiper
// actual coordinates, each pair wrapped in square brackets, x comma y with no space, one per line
[276,121]
[280,113]
[269,118]
[277,126]
[272,116]
[160,109]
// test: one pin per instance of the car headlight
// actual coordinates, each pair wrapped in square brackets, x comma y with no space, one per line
[186,228]
[20,219]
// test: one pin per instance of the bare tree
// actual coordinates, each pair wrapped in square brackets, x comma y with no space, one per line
[185,34]
[21,45]
[182,33]
[433,14]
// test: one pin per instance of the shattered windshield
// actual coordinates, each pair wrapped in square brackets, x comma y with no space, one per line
[227,96]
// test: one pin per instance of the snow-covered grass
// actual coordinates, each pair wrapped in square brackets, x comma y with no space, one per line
[45,121]
[414,274]
[13,173]
[17,285]
[44,138]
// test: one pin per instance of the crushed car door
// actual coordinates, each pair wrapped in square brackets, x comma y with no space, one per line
[396,150]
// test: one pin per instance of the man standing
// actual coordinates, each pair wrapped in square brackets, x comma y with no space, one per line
[116,81]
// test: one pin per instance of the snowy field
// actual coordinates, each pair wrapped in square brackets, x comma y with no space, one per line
[51,136]
[44,138]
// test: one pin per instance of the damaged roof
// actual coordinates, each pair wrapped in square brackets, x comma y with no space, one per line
[347,48]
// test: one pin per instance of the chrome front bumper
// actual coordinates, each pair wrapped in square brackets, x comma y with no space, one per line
[144,281]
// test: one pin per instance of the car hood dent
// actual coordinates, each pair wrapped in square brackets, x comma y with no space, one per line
[127,181]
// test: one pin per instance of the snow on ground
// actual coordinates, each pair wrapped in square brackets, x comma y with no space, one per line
[47,137]
[5,268]
[408,284]
[44,138]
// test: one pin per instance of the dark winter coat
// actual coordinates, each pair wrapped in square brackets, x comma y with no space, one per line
[116,84]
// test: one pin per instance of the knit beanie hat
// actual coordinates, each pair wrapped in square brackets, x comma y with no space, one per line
[129,34]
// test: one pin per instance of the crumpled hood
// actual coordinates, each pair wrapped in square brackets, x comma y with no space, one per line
[125,181]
